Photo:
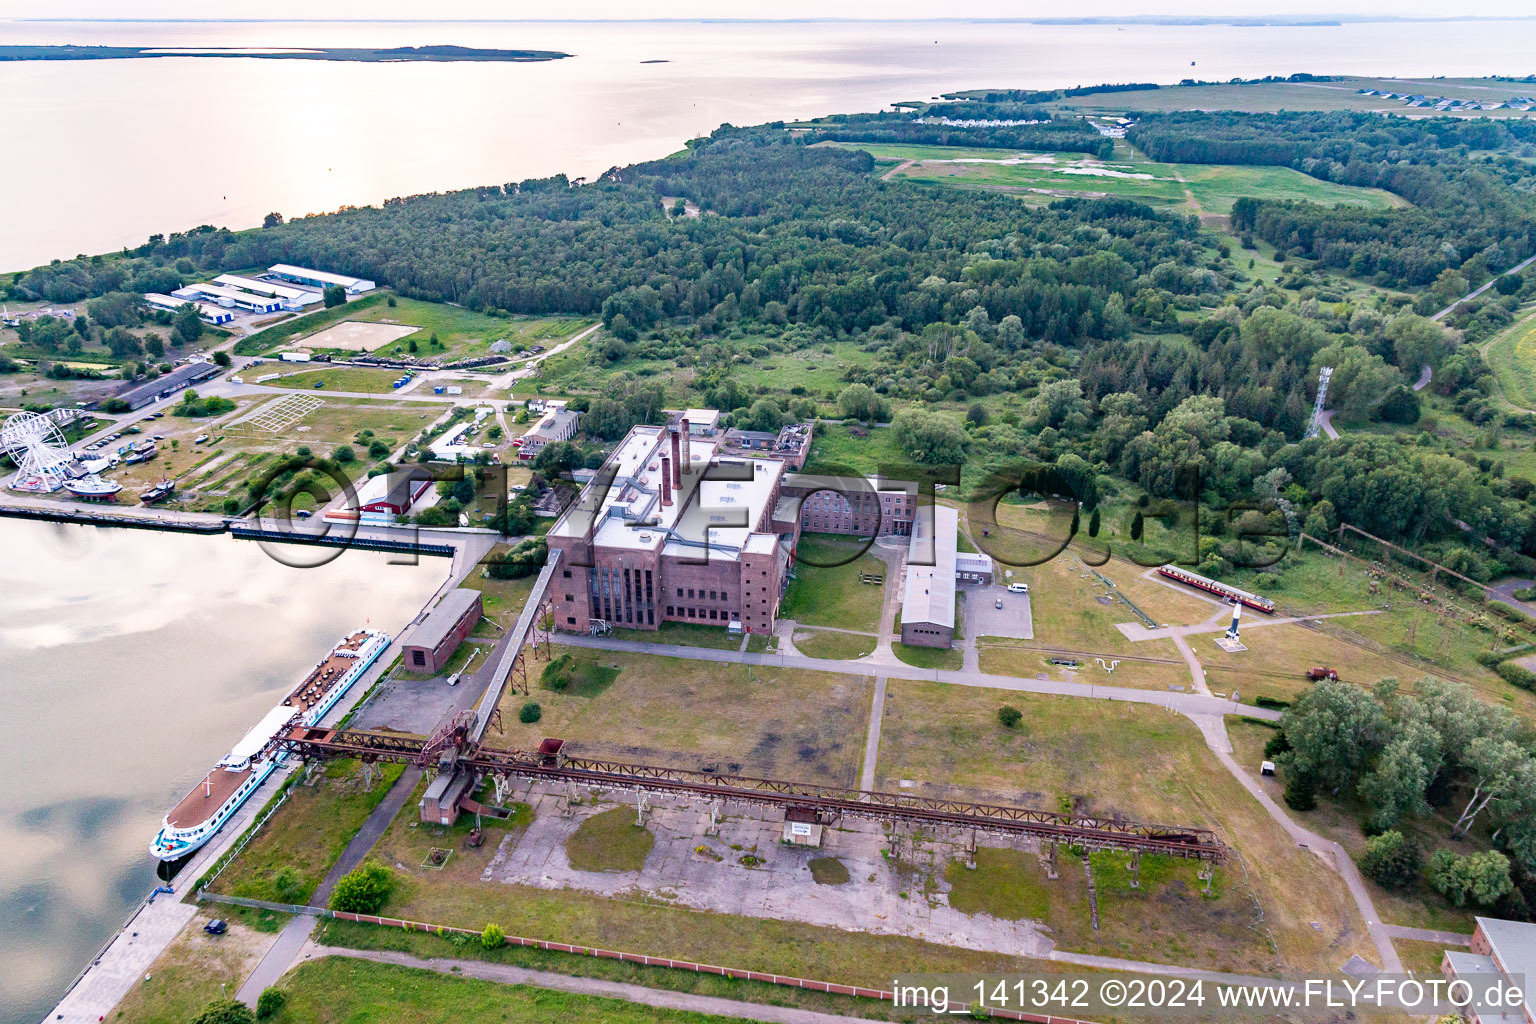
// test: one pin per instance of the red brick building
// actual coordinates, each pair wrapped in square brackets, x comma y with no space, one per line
[429,644]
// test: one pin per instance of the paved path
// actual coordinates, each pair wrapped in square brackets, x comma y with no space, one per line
[1326,422]
[296,933]
[1398,931]
[1219,623]
[1184,703]
[872,741]
[1425,376]
[507,974]
[1474,293]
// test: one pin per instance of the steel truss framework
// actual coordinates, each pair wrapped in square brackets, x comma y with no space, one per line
[828,801]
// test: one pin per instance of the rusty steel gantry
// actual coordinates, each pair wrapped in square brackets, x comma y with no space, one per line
[552,764]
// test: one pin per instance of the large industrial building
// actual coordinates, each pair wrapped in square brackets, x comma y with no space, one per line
[558,423]
[319,278]
[678,527]
[670,530]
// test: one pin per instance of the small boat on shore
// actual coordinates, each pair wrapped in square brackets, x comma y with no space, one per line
[159,492]
[93,488]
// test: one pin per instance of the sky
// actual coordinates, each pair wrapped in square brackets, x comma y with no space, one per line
[627,9]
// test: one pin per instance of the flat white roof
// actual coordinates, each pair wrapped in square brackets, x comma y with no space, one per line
[930,590]
[173,303]
[251,743]
[702,416]
[316,275]
[218,291]
[250,284]
[970,561]
[701,511]
[724,513]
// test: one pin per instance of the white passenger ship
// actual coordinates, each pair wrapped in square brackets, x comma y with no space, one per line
[202,812]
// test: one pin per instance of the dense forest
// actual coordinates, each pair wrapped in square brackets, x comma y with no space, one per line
[1138,343]
[1469,183]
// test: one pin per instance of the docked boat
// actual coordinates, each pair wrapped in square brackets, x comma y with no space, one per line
[159,492]
[202,812]
[93,488]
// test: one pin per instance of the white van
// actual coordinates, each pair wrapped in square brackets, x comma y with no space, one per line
[1018,588]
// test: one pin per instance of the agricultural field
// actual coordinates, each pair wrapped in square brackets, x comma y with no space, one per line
[460,333]
[1142,763]
[768,722]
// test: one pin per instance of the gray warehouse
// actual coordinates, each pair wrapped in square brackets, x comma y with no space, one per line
[144,393]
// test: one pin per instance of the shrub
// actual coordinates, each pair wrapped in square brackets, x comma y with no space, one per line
[493,937]
[530,713]
[1009,716]
[362,890]
[1300,790]
[1274,703]
[225,1011]
[1276,744]
[1483,878]
[1390,860]
[1521,677]
[270,1003]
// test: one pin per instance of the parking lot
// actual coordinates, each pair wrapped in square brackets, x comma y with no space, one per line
[984,618]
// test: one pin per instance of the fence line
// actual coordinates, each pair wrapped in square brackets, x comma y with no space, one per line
[831,988]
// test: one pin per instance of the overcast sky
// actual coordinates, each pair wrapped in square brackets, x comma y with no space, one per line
[599,9]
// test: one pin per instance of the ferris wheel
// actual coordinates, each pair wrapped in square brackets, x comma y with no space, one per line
[35,443]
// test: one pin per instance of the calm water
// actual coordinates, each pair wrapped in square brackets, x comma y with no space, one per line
[130,661]
[106,153]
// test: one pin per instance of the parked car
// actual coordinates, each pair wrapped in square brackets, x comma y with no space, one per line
[218,926]
[1018,588]
[999,603]
[200,439]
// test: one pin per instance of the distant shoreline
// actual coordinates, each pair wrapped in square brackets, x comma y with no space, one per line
[364,54]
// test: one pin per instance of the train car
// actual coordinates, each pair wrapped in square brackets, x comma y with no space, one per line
[1221,590]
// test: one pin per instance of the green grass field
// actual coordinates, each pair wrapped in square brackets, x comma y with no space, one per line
[461,333]
[342,989]
[339,378]
[832,645]
[827,594]
[610,841]
[293,851]
[1512,356]
[1213,188]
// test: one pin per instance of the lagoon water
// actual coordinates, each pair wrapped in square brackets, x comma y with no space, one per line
[105,153]
[130,661]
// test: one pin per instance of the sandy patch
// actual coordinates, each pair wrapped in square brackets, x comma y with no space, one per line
[356,336]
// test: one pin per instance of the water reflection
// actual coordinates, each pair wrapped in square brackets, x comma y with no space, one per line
[130,661]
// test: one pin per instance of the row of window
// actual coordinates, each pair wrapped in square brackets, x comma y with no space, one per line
[714,614]
[709,594]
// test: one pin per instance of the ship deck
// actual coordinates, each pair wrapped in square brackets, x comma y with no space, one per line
[318,683]
[206,798]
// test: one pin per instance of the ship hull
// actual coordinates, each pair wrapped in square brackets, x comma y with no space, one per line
[175,842]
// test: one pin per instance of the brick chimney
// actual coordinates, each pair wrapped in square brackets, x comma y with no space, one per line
[687,462]
[666,481]
[677,461]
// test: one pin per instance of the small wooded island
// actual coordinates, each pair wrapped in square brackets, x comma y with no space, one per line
[350,53]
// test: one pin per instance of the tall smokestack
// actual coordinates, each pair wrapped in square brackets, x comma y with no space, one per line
[687,462]
[677,461]
[666,481]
